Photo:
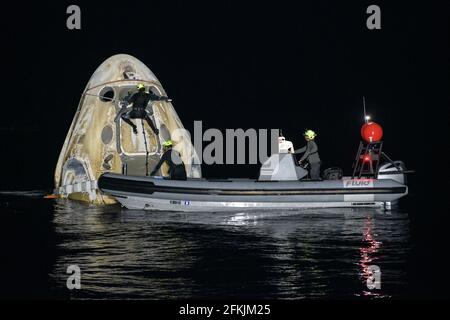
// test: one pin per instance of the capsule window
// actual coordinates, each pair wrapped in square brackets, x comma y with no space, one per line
[106,94]
[107,134]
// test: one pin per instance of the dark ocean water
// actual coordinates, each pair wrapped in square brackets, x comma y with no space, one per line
[319,254]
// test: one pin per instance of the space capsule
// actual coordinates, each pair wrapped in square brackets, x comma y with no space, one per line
[99,142]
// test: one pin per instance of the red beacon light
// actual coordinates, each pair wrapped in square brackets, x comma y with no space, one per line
[371,132]
[369,153]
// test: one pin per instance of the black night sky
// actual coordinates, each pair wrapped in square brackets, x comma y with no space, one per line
[234,66]
[258,65]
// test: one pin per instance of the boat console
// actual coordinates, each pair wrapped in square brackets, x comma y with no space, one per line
[281,167]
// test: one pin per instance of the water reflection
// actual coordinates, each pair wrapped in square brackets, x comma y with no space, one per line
[262,254]
[368,255]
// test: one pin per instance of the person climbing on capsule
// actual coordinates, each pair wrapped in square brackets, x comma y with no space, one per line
[310,154]
[140,100]
[177,171]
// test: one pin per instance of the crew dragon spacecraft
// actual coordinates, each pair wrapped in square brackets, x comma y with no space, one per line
[99,142]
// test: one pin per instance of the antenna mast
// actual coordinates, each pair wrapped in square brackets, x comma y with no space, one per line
[364,106]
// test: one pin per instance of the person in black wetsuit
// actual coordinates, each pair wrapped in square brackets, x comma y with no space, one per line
[140,99]
[310,154]
[177,171]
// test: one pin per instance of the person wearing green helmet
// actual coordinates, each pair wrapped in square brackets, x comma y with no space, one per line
[140,100]
[310,154]
[177,171]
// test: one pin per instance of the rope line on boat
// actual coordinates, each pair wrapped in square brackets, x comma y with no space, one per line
[146,148]
[125,80]
[103,97]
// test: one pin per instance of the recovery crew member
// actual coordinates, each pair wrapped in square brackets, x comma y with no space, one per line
[311,154]
[177,171]
[140,99]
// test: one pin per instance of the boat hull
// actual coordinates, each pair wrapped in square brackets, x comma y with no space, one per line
[150,193]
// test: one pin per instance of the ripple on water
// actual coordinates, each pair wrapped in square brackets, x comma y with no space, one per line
[287,254]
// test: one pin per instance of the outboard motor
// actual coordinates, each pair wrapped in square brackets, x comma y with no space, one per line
[393,171]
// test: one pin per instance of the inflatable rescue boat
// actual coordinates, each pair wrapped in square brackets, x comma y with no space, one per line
[279,186]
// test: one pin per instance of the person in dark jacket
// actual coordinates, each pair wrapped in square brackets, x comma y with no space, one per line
[310,154]
[177,171]
[140,100]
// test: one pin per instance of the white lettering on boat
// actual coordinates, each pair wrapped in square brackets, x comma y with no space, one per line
[352,183]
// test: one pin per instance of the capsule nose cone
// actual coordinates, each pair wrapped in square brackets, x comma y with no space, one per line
[121,67]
